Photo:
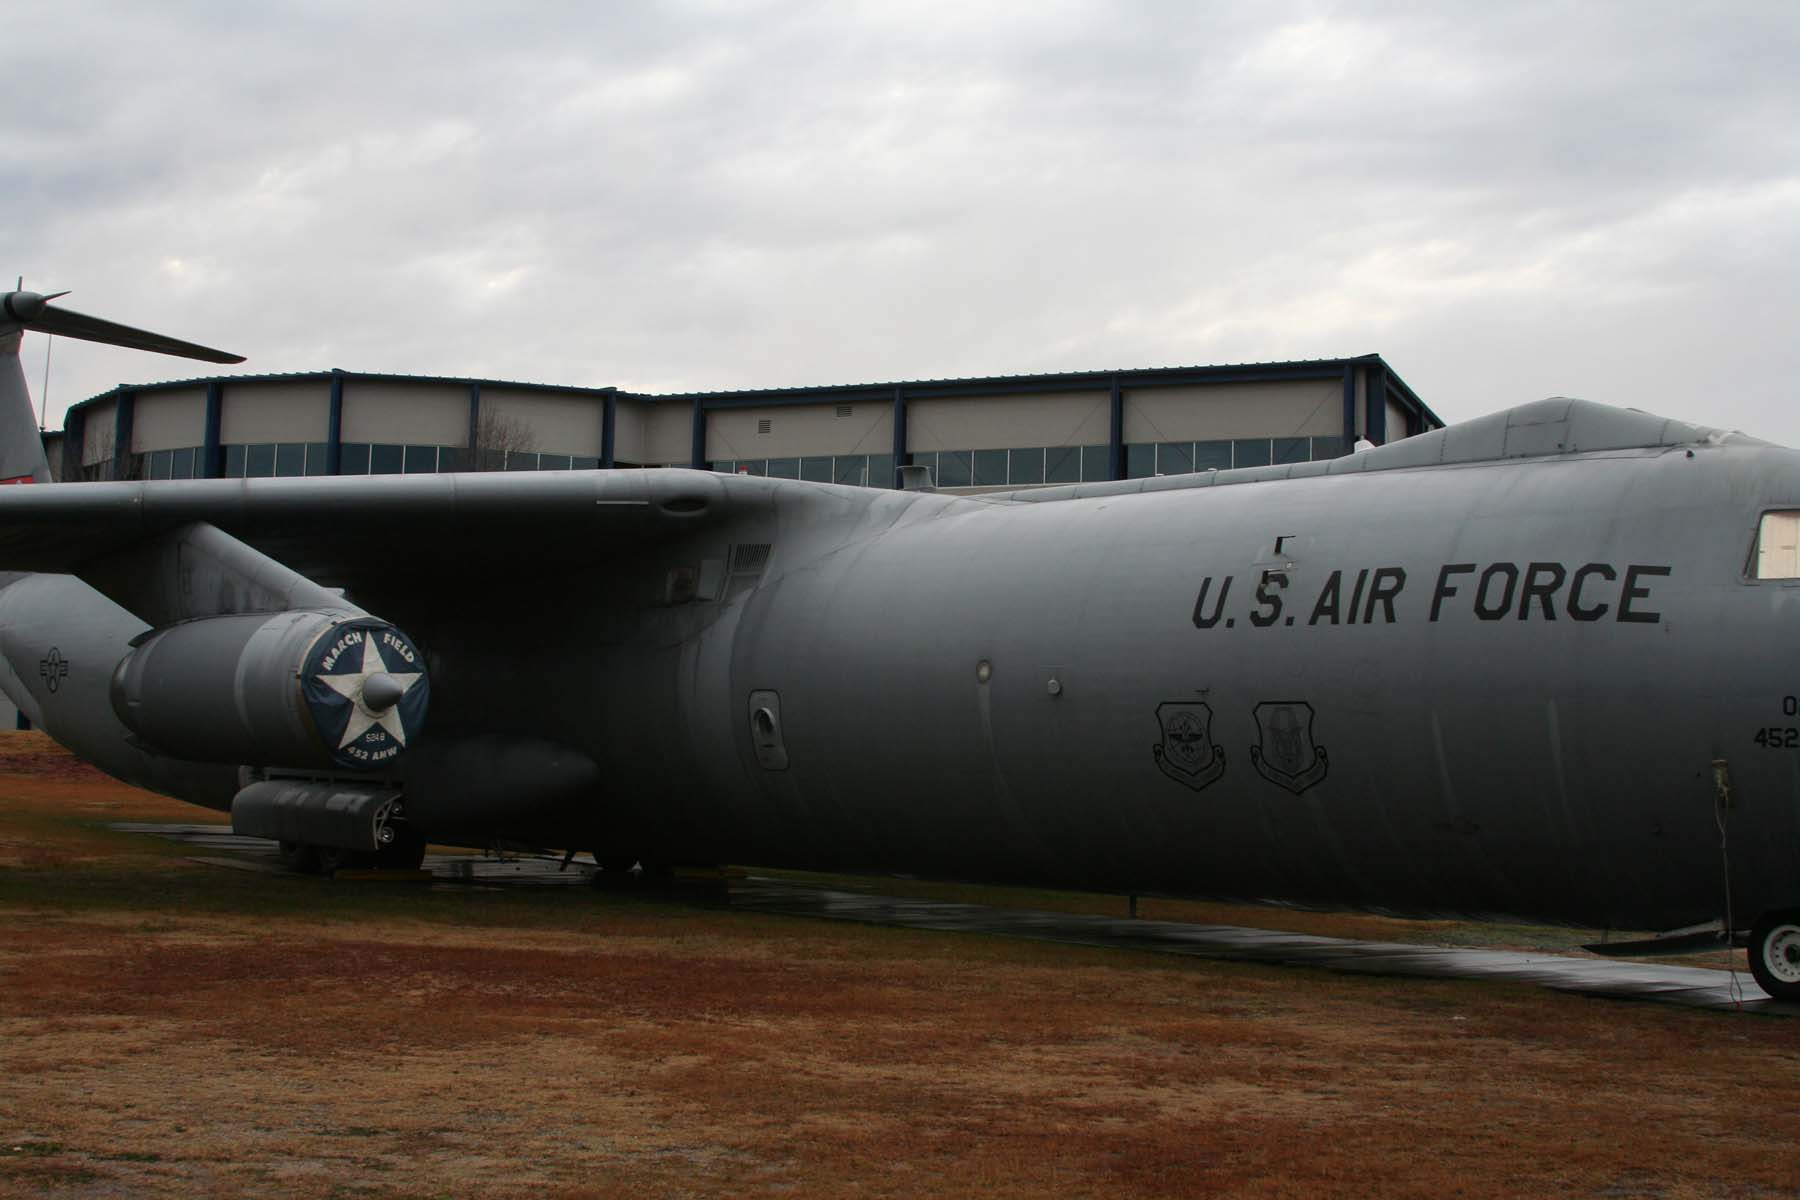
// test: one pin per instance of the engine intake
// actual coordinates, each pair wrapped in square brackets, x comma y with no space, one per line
[291,689]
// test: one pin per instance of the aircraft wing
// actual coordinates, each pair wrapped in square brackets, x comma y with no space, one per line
[337,528]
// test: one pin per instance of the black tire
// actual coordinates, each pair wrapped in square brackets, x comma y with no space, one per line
[1775,953]
[656,874]
[299,856]
[335,858]
[614,872]
[405,853]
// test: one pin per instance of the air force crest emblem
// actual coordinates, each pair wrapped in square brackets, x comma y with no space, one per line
[1287,755]
[1187,753]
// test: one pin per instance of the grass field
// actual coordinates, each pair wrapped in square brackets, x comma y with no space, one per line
[173,1029]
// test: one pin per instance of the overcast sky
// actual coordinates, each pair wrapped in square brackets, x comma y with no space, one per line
[1507,201]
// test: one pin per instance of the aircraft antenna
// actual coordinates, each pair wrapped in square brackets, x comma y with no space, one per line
[44,392]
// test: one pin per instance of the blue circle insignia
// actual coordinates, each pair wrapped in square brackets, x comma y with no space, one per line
[366,689]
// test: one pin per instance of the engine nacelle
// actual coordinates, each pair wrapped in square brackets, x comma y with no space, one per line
[291,689]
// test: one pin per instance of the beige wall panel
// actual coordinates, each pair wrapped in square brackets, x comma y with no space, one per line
[668,434]
[419,414]
[1396,422]
[799,430]
[97,434]
[169,420]
[630,419]
[275,412]
[1006,422]
[1312,408]
[559,424]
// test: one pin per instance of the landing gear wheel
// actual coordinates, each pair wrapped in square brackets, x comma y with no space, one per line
[614,872]
[1775,953]
[299,856]
[405,853]
[335,858]
[656,874]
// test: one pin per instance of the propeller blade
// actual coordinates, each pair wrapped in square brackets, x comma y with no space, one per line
[33,311]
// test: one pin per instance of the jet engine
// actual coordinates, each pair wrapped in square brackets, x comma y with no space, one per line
[292,689]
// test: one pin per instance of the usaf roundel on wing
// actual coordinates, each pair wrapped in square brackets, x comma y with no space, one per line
[366,689]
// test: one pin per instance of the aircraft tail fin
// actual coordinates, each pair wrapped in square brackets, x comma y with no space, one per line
[21,447]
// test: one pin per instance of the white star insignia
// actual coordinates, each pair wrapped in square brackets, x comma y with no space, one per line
[350,687]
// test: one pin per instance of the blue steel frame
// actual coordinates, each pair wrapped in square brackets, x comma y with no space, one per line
[609,423]
[334,425]
[212,453]
[124,410]
[1115,435]
[74,438]
[902,456]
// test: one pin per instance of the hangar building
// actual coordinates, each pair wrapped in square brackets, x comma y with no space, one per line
[972,434]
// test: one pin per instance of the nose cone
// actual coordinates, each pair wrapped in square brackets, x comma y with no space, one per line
[381,692]
[23,307]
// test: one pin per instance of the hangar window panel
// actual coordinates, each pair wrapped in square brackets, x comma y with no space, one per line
[1140,460]
[850,469]
[928,460]
[816,470]
[723,466]
[1062,464]
[1778,546]
[881,470]
[419,460]
[452,458]
[259,460]
[234,462]
[553,462]
[1175,458]
[521,460]
[385,458]
[1327,447]
[990,468]
[953,468]
[290,459]
[157,463]
[583,462]
[1212,456]
[1250,452]
[1293,450]
[353,458]
[494,460]
[318,458]
[181,462]
[784,468]
[1096,463]
[1025,466]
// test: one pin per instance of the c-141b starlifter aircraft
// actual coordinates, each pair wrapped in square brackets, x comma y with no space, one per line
[1544,664]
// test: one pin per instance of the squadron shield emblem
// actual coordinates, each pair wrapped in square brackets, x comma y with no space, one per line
[1187,753]
[1287,755]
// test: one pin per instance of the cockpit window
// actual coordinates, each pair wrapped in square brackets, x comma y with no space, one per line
[1778,546]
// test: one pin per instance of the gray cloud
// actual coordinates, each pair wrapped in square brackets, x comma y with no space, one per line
[1507,201]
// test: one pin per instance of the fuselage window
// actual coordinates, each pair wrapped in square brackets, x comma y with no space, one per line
[1778,546]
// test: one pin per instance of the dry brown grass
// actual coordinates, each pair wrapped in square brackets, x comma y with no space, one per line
[168,1029]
